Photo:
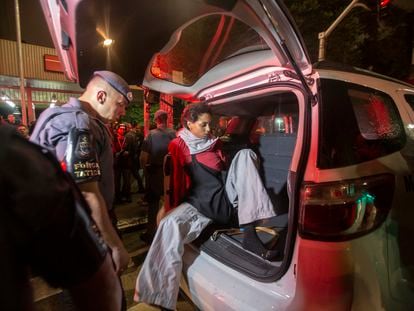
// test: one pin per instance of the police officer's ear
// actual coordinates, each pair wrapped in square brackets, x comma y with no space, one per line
[101,96]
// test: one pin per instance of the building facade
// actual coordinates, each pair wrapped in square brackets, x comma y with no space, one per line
[45,84]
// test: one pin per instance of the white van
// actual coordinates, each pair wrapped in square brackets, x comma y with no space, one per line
[336,145]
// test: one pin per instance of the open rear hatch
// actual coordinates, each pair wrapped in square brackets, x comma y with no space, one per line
[141,30]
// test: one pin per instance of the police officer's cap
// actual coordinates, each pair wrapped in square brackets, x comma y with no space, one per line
[116,82]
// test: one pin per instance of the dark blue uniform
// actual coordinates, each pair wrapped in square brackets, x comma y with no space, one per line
[44,223]
[89,154]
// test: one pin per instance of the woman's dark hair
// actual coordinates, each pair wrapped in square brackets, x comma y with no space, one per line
[192,112]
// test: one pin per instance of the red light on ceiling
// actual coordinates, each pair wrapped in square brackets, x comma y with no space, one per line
[160,67]
[384,3]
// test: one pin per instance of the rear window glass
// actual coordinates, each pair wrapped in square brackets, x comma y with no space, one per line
[265,116]
[202,45]
[272,125]
[357,124]
[276,124]
[375,115]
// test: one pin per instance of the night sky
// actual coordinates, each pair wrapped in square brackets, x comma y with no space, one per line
[34,29]
[33,25]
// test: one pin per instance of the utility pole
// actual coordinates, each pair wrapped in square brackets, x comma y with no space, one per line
[20,59]
[323,36]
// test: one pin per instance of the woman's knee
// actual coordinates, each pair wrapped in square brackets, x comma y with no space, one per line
[246,156]
[247,153]
[177,216]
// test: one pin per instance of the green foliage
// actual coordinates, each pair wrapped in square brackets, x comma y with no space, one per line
[135,111]
[362,39]
[134,114]
[391,48]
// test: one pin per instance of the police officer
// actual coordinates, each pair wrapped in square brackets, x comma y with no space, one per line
[77,135]
[45,227]
[153,151]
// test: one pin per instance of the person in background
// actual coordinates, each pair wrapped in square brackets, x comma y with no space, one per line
[11,119]
[137,135]
[202,194]
[23,130]
[77,134]
[45,227]
[153,151]
[221,127]
[124,146]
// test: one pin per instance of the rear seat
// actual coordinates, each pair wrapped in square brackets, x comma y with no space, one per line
[275,152]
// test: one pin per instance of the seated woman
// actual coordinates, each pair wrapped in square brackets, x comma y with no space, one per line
[205,196]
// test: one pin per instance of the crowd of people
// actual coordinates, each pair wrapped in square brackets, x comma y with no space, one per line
[127,142]
[89,160]
[11,120]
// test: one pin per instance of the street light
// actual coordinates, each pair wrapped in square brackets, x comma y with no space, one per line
[7,100]
[323,36]
[53,101]
[108,42]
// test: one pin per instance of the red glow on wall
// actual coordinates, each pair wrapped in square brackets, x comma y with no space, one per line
[52,63]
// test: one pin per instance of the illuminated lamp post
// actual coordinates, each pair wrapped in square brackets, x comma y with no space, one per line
[323,36]
[107,43]
[20,58]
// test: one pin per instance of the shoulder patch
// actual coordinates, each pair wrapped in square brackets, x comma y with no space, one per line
[81,157]
[83,146]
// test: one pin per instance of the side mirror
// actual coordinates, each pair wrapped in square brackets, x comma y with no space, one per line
[152,97]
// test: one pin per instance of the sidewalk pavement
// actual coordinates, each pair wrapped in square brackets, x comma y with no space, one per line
[132,215]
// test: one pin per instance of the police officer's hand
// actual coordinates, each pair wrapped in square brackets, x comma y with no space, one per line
[121,258]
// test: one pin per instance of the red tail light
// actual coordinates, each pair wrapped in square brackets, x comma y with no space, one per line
[339,211]
[64,166]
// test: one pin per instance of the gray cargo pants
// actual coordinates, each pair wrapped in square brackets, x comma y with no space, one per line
[159,279]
